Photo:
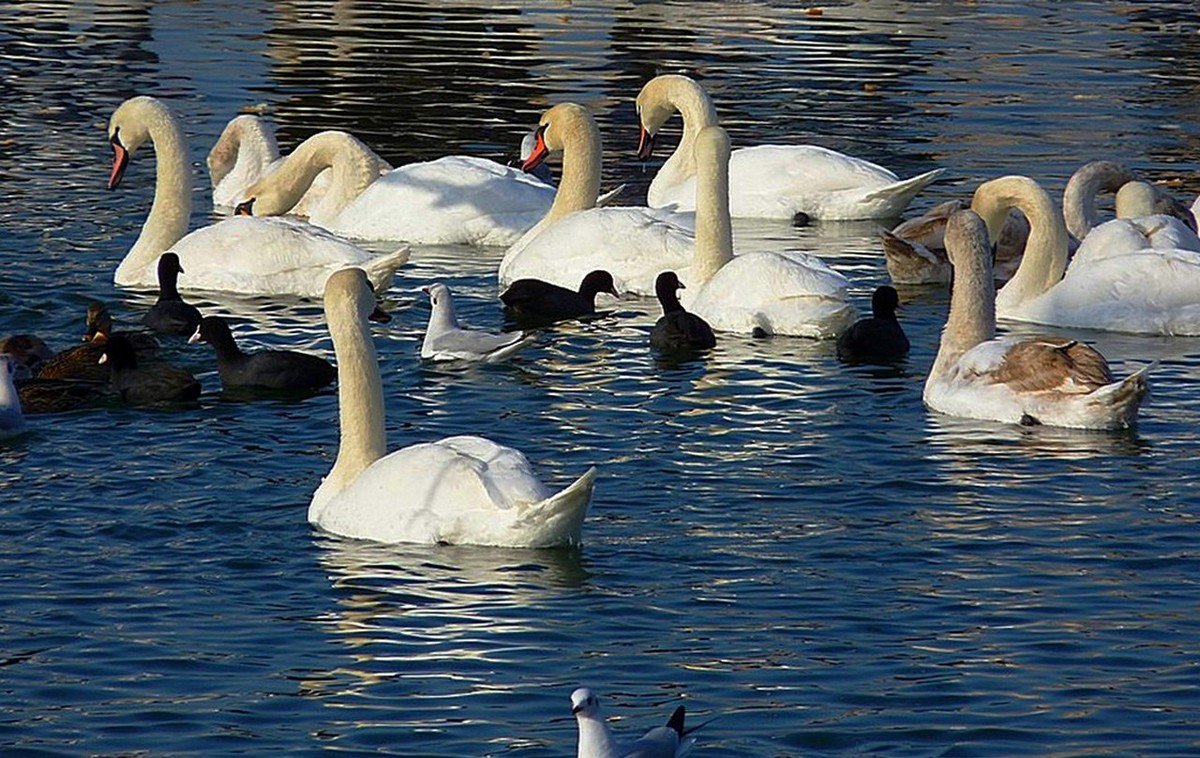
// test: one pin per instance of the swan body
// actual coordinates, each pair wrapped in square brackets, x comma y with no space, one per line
[1039,380]
[242,255]
[768,181]
[1146,217]
[762,292]
[575,237]
[12,422]
[458,199]
[1146,291]
[462,490]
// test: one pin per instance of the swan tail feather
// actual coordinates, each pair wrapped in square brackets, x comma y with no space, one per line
[610,197]
[381,268]
[1122,399]
[894,198]
[557,521]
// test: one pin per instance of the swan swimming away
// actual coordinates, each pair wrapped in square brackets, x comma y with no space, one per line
[241,255]
[761,293]
[1146,291]
[1038,380]
[446,340]
[634,244]
[597,741]
[458,490]
[768,181]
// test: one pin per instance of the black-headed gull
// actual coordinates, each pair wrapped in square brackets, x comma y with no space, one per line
[596,741]
[445,340]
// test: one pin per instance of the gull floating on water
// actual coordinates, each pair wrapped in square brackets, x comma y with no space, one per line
[445,340]
[596,741]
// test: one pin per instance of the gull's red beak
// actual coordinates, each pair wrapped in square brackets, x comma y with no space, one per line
[540,151]
[120,160]
[645,143]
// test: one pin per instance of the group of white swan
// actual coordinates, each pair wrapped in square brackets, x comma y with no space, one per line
[1129,275]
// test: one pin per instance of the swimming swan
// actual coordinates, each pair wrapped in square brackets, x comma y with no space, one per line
[1146,291]
[458,199]
[634,244]
[769,181]
[755,293]
[242,255]
[1040,380]
[247,151]
[462,490]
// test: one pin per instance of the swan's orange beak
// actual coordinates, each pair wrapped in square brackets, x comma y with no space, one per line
[244,209]
[379,315]
[540,151]
[120,161]
[645,143]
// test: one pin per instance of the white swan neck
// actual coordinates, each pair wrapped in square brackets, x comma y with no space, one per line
[363,439]
[171,210]
[246,144]
[1045,258]
[1079,197]
[972,317]
[580,183]
[353,167]
[714,229]
[696,108]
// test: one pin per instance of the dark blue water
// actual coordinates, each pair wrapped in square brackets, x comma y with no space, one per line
[792,545]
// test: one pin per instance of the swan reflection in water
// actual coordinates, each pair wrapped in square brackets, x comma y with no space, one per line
[404,610]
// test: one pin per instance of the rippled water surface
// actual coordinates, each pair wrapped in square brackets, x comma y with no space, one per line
[795,547]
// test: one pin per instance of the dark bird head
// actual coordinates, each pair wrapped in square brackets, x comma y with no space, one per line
[884,302]
[596,282]
[119,353]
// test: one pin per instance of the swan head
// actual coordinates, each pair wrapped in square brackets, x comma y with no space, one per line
[349,296]
[654,106]
[264,198]
[128,129]
[1136,199]
[993,199]
[584,703]
[553,130]
[966,241]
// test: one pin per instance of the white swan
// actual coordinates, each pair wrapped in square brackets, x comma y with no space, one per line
[12,422]
[769,181]
[458,199]
[1143,291]
[915,251]
[575,237]
[1039,380]
[463,490]
[755,293]
[245,152]
[242,255]
[1146,216]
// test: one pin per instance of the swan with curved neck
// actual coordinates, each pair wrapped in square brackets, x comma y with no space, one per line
[1145,291]
[768,181]
[755,293]
[457,199]
[459,490]
[247,151]
[243,255]
[1030,381]
[574,238]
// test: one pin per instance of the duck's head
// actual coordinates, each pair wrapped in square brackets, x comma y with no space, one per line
[99,323]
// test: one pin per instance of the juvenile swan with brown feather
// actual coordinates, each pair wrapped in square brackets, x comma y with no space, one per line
[1039,380]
